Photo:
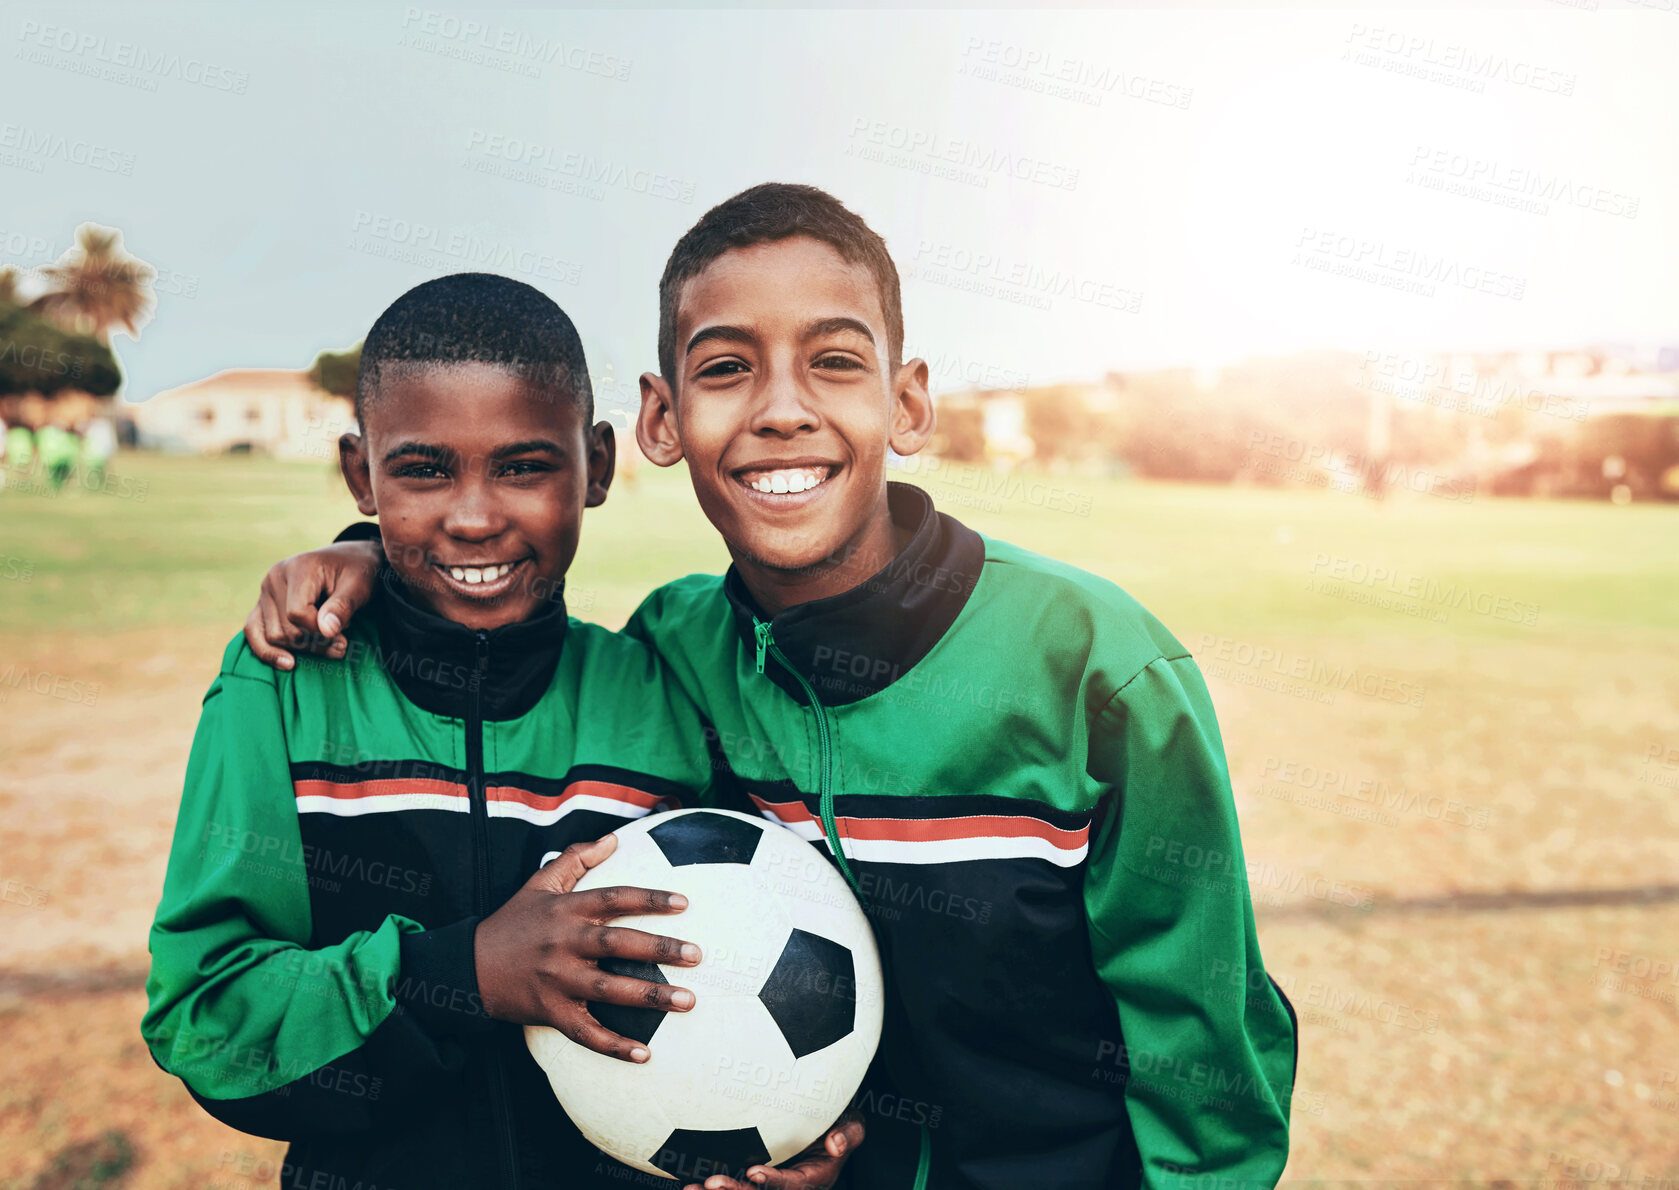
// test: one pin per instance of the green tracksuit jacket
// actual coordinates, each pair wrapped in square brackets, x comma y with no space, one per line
[1024,774]
[342,831]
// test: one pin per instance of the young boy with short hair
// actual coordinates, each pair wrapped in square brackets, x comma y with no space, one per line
[359,911]
[1017,767]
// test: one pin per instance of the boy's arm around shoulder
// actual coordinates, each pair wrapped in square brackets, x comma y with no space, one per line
[273,1037]
[689,624]
[689,628]
[1209,1041]
[640,712]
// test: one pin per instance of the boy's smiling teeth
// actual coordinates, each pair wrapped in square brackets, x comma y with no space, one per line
[473,575]
[786,480]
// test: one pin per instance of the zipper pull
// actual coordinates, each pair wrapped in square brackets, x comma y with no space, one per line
[481,662]
[763,631]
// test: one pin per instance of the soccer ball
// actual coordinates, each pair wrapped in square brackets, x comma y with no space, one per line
[787,1003]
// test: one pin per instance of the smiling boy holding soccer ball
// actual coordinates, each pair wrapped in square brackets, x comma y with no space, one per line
[356,917]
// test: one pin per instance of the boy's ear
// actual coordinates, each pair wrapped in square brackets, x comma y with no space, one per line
[603,463]
[655,427]
[358,474]
[912,408]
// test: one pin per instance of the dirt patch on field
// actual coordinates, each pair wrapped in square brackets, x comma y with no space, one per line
[82,1097]
[1459,1021]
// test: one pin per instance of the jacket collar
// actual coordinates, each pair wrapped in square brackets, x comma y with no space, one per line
[859,642]
[444,667]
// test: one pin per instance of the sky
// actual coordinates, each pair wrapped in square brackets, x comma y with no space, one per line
[1065,192]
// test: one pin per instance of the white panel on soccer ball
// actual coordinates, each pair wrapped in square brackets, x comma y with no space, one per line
[740,933]
[813,1094]
[616,1113]
[712,1075]
[636,862]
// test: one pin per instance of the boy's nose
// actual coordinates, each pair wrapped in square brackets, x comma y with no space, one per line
[784,408]
[474,515]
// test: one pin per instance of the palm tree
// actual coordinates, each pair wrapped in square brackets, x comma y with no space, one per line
[97,285]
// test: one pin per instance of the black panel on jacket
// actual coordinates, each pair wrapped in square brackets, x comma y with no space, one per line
[859,642]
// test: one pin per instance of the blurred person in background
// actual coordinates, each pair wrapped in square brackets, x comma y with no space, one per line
[20,448]
[99,443]
[59,448]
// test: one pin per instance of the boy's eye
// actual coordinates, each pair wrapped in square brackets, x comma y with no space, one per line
[723,367]
[523,468]
[420,471]
[841,363]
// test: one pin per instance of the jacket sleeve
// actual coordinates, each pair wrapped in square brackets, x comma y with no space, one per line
[665,636]
[360,531]
[271,1036]
[1208,1041]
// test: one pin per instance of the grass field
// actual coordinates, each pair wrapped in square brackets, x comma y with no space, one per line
[1453,732]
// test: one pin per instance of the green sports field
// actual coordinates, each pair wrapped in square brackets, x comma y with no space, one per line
[1453,732]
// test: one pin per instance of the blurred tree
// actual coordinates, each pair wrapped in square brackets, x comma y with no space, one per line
[8,285]
[960,435]
[1059,423]
[1167,426]
[38,355]
[97,286]
[336,371]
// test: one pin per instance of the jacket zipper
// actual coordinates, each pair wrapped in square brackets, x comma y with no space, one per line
[475,778]
[825,745]
[825,800]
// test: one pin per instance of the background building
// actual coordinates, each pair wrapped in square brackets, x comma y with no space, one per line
[273,410]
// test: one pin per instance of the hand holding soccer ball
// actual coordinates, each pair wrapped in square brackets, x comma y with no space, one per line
[540,956]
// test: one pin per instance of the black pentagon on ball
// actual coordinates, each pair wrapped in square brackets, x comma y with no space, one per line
[638,1024]
[706,838]
[812,993]
[693,1155]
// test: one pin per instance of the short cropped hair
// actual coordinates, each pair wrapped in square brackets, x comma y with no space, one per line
[765,213]
[479,318]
